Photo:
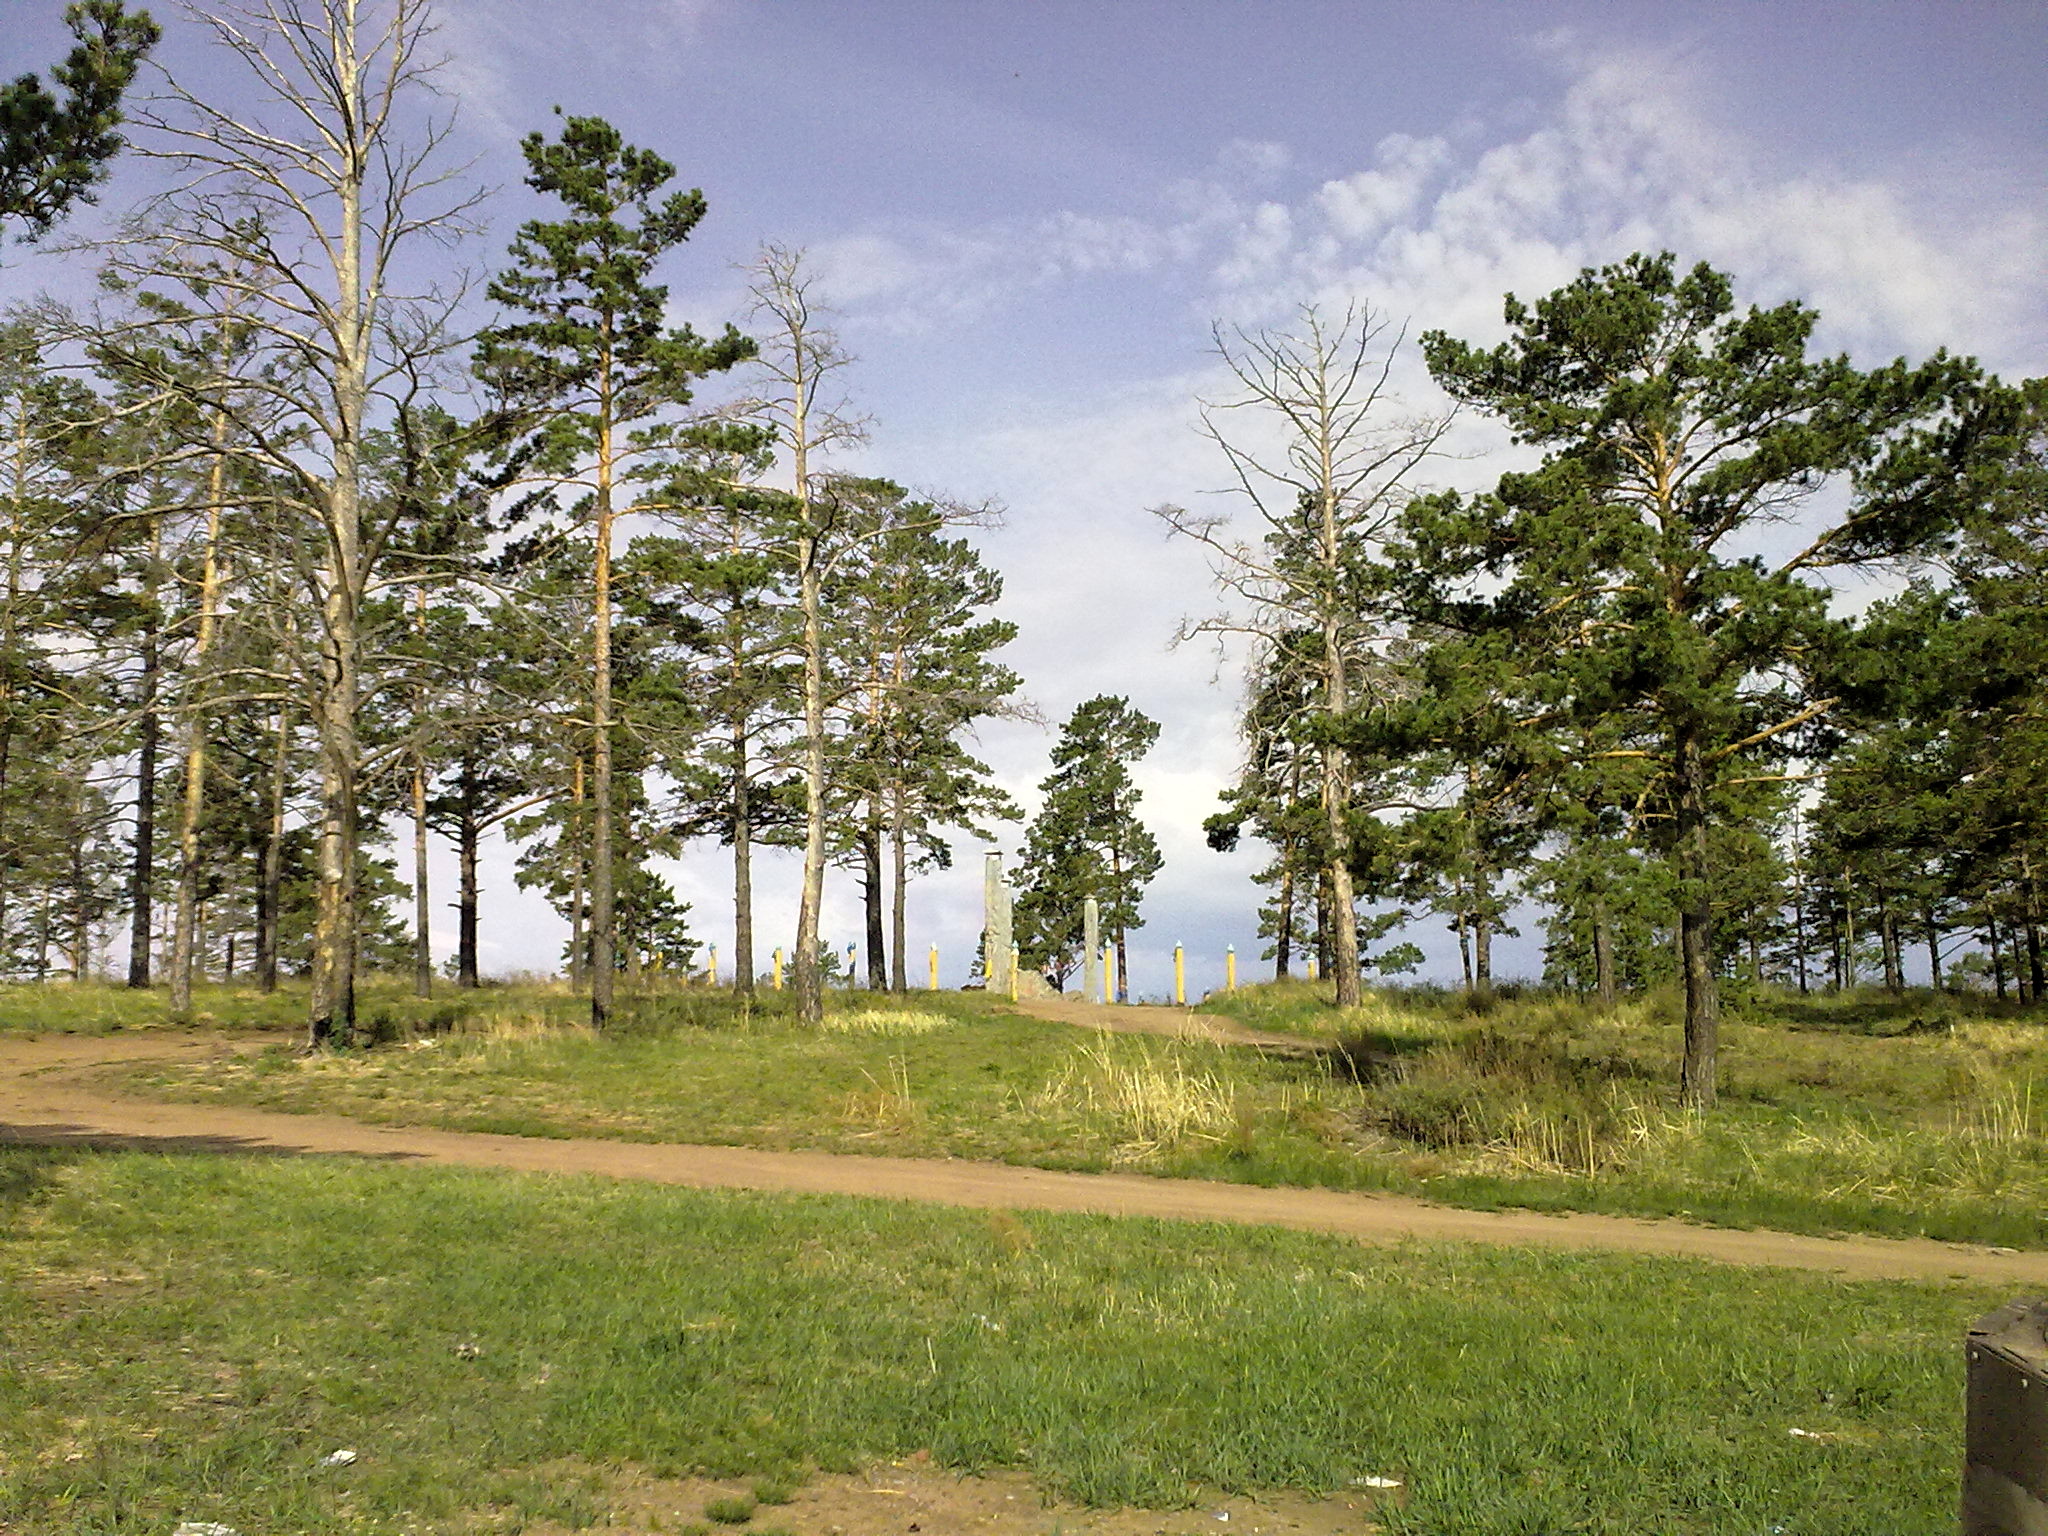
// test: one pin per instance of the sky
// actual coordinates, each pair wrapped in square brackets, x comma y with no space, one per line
[1028,218]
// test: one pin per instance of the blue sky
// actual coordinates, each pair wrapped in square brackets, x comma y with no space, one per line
[1029,214]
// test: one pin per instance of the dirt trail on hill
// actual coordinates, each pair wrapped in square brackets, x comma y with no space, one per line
[41,1103]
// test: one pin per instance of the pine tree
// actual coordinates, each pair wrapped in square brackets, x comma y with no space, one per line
[1087,841]
[1674,425]
[591,351]
[54,153]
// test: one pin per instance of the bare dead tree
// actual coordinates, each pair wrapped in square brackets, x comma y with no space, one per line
[1324,467]
[300,208]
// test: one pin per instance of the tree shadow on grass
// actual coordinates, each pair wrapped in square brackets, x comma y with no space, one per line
[31,1156]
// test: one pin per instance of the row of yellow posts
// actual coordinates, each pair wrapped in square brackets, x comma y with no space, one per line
[1180,971]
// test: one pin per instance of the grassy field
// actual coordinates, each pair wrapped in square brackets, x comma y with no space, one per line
[1904,1117]
[189,1337]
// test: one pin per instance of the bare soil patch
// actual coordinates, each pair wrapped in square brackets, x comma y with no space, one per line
[916,1497]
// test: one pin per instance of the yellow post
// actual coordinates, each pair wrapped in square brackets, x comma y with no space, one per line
[1108,974]
[1230,967]
[711,971]
[1180,978]
[1013,973]
[1311,965]
[935,968]
[778,970]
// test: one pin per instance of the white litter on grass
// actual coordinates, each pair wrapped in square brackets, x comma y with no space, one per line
[1811,1434]
[342,1458]
[1375,1482]
[204,1528]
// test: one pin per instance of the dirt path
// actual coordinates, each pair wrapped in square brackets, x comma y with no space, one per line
[41,1104]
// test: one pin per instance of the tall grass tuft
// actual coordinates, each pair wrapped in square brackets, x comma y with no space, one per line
[887,1022]
[1151,1096]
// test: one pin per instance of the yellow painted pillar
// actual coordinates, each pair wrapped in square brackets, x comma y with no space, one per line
[778,970]
[935,968]
[1311,965]
[851,974]
[711,971]
[1013,973]
[1230,967]
[1108,974]
[1180,978]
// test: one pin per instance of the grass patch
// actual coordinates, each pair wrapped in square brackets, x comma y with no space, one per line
[189,1338]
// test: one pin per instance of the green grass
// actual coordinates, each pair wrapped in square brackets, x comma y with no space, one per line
[1901,1117]
[189,1336]
[386,1004]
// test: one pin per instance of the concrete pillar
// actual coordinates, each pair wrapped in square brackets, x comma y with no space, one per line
[1091,949]
[995,929]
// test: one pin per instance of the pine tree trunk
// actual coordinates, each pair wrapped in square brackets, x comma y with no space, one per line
[81,916]
[810,981]
[1603,957]
[142,871]
[603,918]
[1283,927]
[742,866]
[192,809]
[422,941]
[1848,935]
[1888,944]
[271,883]
[871,894]
[579,862]
[468,834]
[2033,892]
[899,968]
[1482,932]
[1799,932]
[1464,927]
[331,1003]
[1697,1072]
[1933,951]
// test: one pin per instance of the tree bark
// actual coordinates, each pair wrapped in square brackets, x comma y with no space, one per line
[579,863]
[271,883]
[467,836]
[1482,931]
[1283,927]
[899,894]
[871,899]
[1888,944]
[809,979]
[193,807]
[142,872]
[603,918]
[1697,1072]
[422,939]
[1603,956]
[742,866]
[1933,951]
[2034,966]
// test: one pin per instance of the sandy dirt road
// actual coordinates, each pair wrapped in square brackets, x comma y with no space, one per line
[43,1103]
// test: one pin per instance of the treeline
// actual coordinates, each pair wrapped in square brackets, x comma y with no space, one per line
[1625,683]
[296,555]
